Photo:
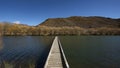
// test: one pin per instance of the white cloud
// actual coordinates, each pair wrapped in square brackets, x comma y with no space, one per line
[16,22]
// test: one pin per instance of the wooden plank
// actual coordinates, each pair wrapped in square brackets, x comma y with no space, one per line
[54,59]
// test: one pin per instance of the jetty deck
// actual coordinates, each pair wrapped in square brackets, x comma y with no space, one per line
[56,56]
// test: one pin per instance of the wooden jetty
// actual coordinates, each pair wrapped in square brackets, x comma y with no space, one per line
[56,57]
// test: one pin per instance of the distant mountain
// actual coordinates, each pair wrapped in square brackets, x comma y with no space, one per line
[84,22]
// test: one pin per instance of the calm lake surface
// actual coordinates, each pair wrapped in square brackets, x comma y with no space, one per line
[24,51]
[92,51]
[81,51]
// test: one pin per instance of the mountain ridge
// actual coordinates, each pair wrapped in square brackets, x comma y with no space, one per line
[84,22]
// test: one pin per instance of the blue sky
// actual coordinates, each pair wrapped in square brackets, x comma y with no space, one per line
[33,12]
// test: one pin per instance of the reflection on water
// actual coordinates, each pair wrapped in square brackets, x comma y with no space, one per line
[24,51]
[92,51]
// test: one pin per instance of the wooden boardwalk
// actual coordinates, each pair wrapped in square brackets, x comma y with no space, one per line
[54,59]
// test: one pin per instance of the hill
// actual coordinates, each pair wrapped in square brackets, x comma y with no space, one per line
[74,25]
[83,22]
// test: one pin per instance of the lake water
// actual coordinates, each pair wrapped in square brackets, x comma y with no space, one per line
[81,51]
[92,51]
[24,51]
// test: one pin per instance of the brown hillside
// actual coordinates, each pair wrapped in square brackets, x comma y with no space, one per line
[84,22]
